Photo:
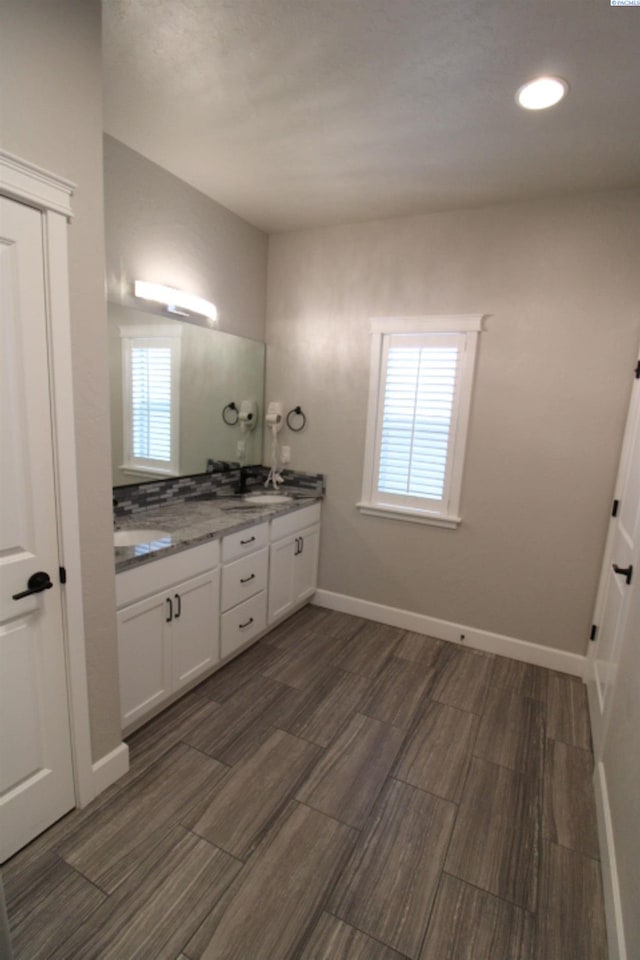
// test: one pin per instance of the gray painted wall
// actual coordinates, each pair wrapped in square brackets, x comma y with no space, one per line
[159,228]
[51,81]
[558,284]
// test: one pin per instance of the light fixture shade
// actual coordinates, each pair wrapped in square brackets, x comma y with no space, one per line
[542,92]
[175,300]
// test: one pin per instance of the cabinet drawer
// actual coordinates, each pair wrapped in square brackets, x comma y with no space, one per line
[243,578]
[292,522]
[157,575]
[244,622]
[246,541]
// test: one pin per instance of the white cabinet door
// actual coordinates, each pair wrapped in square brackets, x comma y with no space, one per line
[293,571]
[281,577]
[195,631]
[144,656]
[165,641]
[306,564]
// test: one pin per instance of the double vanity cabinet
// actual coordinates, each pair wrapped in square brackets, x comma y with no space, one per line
[181,616]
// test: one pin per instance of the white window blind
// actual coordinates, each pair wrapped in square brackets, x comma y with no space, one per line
[419,391]
[151,394]
[418,411]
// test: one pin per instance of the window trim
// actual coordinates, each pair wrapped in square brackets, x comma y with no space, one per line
[372,504]
[171,332]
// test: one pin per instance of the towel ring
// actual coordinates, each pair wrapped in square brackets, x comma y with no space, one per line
[225,416]
[296,412]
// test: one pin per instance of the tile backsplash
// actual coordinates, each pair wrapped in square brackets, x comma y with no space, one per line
[137,497]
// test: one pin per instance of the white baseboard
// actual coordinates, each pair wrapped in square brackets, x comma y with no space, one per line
[110,768]
[610,886]
[483,640]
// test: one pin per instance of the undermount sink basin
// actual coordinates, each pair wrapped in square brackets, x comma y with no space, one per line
[131,538]
[266,498]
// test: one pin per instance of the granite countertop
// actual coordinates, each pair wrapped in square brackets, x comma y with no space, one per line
[189,523]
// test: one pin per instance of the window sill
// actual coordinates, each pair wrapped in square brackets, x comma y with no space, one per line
[412,516]
[132,469]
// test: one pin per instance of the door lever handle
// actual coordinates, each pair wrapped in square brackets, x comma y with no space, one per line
[36,583]
[626,572]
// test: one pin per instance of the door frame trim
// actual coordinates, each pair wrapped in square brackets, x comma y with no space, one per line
[25,182]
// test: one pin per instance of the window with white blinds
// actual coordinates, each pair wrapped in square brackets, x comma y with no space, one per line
[151,392]
[420,393]
[151,403]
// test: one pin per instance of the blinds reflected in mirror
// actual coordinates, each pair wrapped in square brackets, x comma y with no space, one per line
[151,397]
[151,402]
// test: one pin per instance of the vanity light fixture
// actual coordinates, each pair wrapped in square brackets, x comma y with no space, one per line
[542,92]
[176,301]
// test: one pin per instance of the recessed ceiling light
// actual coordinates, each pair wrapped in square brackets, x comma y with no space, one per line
[542,93]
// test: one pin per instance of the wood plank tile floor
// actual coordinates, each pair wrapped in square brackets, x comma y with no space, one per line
[342,791]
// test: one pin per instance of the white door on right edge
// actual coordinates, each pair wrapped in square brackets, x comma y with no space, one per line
[618,572]
[36,775]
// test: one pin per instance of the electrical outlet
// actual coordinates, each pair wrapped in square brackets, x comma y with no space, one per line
[285,455]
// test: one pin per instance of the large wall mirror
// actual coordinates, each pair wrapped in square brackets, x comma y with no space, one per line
[170,383]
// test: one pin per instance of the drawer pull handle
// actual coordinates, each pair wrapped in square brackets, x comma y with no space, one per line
[245,542]
[170,617]
[178,599]
[247,579]
[241,626]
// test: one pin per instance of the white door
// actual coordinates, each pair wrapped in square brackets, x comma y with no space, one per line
[36,775]
[617,577]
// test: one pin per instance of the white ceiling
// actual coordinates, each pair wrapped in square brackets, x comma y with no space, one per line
[295,113]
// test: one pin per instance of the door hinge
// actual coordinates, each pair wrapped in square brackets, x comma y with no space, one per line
[614,509]
[63,575]
[594,632]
